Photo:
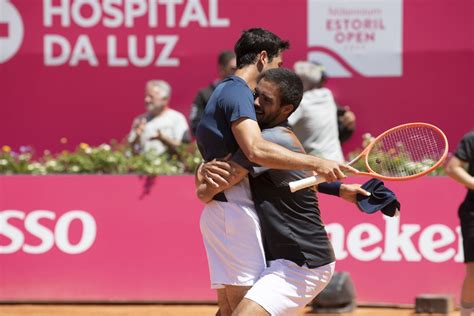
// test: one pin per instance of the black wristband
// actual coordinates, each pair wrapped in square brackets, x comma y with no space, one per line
[331,188]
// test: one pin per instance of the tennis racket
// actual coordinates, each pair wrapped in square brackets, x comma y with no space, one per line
[404,152]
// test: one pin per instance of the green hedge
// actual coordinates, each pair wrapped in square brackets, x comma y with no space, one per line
[110,158]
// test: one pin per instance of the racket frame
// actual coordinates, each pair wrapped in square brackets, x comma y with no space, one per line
[314,180]
[366,151]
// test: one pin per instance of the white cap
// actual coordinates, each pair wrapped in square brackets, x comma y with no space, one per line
[309,71]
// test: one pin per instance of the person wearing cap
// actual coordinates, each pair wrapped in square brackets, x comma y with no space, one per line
[460,167]
[319,123]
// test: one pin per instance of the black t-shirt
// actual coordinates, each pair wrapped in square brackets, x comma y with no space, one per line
[465,152]
[291,223]
[199,104]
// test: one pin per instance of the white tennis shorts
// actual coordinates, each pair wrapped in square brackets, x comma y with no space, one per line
[232,238]
[285,288]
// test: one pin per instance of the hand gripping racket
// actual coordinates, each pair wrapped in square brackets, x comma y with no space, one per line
[404,152]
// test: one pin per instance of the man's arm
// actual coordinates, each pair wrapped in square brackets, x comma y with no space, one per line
[169,142]
[135,133]
[223,174]
[181,130]
[262,152]
[455,169]
[134,140]
[204,191]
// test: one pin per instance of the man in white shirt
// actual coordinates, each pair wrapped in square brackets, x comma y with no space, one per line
[315,122]
[161,129]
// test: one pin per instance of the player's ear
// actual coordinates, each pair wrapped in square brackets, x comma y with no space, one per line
[287,109]
[263,57]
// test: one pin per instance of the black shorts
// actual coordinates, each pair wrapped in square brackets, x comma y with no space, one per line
[466,216]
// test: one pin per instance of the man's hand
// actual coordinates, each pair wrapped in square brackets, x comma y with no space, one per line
[348,119]
[140,126]
[217,173]
[332,171]
[157,136]
[216,176]
[349,192]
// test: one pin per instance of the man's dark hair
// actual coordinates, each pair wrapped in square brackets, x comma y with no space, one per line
[289,85]
[254,41]
[225,57]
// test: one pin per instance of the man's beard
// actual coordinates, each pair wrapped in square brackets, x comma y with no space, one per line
[153,108]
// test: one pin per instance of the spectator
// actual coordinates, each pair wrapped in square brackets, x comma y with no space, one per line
[315,122]
[346,122]
[461,168]
[227,65]
[160,129]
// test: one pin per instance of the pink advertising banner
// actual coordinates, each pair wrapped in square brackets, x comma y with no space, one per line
[130,238]
[77,69]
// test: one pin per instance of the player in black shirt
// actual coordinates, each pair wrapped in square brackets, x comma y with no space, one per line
[456,169]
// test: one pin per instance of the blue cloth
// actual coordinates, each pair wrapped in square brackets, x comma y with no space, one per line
[231,100]
[381,199]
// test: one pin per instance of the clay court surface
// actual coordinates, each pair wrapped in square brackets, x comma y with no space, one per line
[162,310]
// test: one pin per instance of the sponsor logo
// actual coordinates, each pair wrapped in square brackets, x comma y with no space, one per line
[38,224]
[360,37]
[397,242]
[155,46]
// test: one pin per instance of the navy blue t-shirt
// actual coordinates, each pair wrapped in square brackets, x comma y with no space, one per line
[231,100]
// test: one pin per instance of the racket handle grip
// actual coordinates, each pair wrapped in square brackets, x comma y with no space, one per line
[305,183]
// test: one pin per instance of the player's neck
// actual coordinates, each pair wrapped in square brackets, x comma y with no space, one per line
[276,122]
[280,121]
[249,74]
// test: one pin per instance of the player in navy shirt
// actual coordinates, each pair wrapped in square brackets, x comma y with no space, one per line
[296,245]
[230,227]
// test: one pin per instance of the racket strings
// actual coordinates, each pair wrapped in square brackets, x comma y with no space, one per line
[406,152]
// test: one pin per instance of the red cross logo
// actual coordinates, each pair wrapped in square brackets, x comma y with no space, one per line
[11,30]
[4,29]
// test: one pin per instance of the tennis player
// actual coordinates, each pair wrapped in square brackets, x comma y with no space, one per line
[229,224]
[300,256]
